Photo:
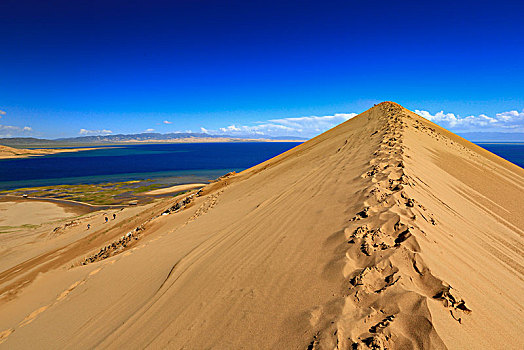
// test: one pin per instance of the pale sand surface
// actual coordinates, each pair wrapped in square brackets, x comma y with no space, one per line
[30,213]
[11,152]
[384,232]
[174,189]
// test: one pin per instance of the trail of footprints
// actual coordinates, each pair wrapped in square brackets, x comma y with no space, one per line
[385,259]
[33,315]
[207,205]
[420,127]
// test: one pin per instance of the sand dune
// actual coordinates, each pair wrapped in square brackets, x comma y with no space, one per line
[387,231]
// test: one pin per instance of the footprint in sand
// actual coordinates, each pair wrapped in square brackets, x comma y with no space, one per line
[315,316]
[5,334]
[33,315]
[70,289]
[94,272]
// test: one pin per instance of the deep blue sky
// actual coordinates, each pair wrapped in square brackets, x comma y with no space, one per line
[126,66]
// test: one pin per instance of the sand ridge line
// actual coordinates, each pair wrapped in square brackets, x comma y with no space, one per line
[127,240]
[116,246]
[384,259]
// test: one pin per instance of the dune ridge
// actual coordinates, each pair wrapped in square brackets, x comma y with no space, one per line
[385,232]
[383,248]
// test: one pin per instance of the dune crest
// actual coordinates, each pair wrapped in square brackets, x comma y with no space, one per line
[385,232]
[379,312]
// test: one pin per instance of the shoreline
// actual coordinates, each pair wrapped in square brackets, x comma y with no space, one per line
[112,192]
[66,203]
[17,153]
[59,145]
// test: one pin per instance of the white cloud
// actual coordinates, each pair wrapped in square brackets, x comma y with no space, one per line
[511,116]
[11,131]
[94,132]
[308,126]
[149,130]
[300,126]
[232,128]
[167,122]
[505,121]
[204,130]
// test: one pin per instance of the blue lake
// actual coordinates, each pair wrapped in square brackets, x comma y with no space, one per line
[177,163]
[168,163]
[514,152]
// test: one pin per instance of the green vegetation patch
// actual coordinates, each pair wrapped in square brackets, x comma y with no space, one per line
[109,193]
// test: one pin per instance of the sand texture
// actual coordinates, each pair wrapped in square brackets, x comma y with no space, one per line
[386,232]
[26,212]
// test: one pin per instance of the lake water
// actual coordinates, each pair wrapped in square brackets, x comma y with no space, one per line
[514,152]
[173,163]
[167,163]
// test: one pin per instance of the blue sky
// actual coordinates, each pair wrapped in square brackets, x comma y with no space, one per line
[69,68]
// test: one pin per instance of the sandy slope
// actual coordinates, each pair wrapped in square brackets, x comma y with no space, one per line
[384,232]
[18,213]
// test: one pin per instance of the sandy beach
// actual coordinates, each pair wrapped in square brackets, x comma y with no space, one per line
[175,189]
[11,152]
[385,232]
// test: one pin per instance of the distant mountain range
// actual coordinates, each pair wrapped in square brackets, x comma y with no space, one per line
[136,137]
[143,137]
[174,137]
[24,141]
